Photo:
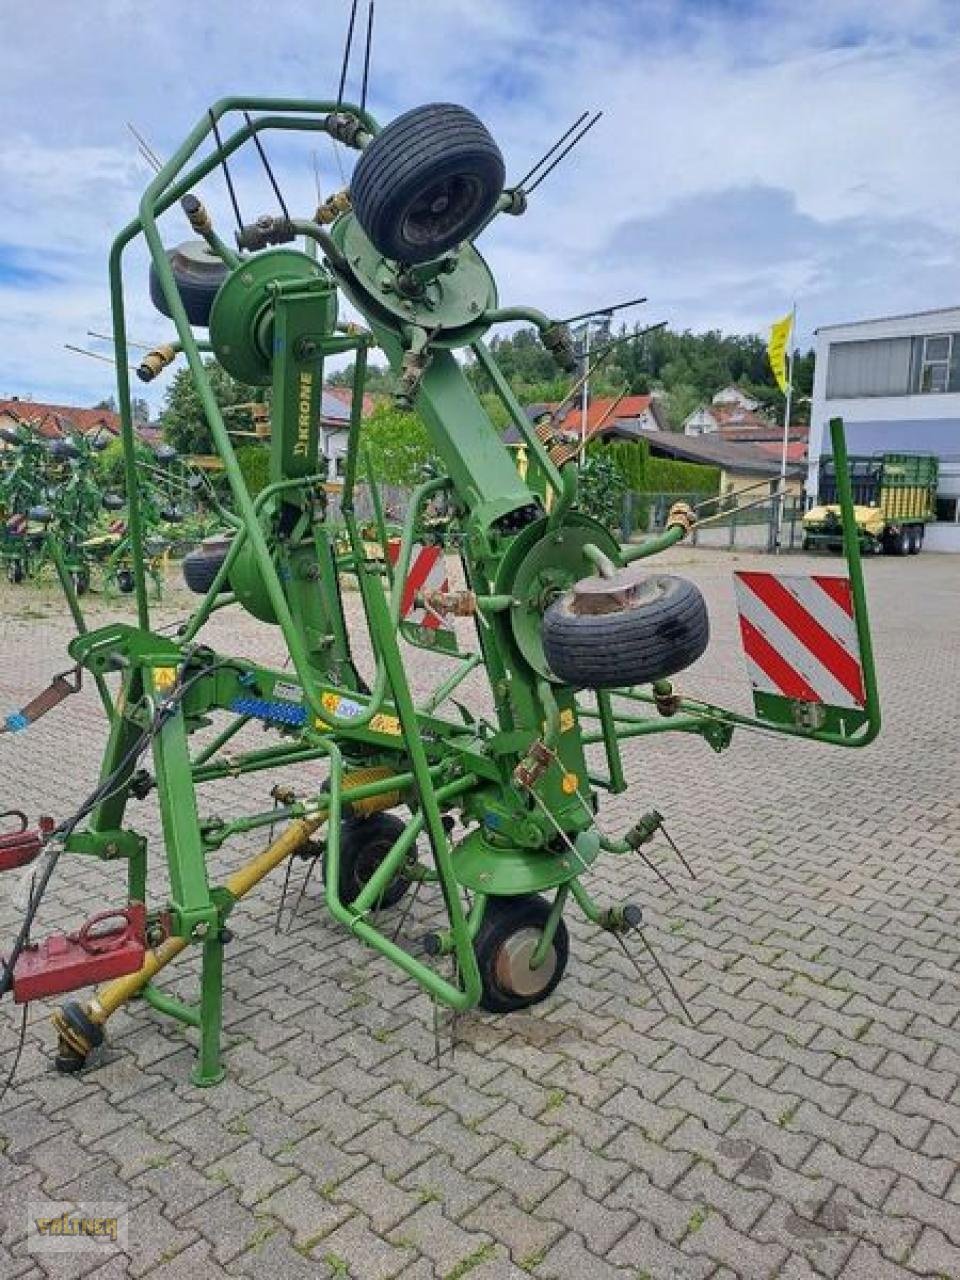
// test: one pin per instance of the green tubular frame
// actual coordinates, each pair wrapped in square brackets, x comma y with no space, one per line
[434,765]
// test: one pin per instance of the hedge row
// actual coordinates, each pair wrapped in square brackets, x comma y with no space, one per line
[644,474]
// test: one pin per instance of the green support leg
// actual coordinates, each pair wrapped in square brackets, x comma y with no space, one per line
[137,875]
[209,1069]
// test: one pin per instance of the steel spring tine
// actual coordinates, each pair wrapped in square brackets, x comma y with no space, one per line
[283,895]
[673,845]
[650,987]
[666,977]
[406,910]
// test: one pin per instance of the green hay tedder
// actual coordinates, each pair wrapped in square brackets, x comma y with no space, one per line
[577,636]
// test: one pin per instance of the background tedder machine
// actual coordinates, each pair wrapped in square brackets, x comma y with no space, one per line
[577,637]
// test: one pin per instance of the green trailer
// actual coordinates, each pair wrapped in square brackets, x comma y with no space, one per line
[895,497]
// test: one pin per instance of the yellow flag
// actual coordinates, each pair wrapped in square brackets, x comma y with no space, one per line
[777,349]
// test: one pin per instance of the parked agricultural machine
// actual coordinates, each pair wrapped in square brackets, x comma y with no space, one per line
[22,496]
[399,790]
[54,512]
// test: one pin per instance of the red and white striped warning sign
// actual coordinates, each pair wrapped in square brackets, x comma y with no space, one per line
[428,572]
[800,637]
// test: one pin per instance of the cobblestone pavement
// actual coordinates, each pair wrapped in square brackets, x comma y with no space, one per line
[807,1125]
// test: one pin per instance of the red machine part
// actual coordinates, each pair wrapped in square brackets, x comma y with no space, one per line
[93,954]
[17,848]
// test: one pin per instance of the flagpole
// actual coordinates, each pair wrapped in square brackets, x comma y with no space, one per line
[786,432]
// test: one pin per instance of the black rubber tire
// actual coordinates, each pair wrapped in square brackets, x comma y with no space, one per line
[200,566]
[198,274]
[663,632]
[436,154]
[916,537]
[503,919]
[63,450]
[364,843]
[125,582]
[15,573]
[81,581]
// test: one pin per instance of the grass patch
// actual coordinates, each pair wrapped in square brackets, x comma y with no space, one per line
[785,1118]
[696,1220]
[470,1262]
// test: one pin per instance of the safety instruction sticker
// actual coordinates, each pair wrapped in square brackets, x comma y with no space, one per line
[347,709]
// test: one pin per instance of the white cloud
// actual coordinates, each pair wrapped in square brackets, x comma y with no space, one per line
[844,108]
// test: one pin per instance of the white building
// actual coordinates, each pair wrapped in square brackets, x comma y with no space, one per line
[896,384]
[733,395]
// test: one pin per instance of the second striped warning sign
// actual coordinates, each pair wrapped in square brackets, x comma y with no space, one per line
[428,572]
[799,636]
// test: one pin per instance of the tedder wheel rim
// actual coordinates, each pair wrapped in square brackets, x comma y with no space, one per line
[509,934]
[442,209]
[364,843]
[512,969]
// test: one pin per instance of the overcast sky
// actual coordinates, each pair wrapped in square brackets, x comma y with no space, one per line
[750,153]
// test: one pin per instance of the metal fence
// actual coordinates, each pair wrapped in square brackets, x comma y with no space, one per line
[730,522]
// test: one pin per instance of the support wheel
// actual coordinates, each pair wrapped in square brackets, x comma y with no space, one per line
[507,938]
[656,628]
[427,182]
[14,571]
[200,567]
[364,843]
[125,582]
[198,274]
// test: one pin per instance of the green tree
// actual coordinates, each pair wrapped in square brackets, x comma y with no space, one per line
[109,465]
[682,399]
[183,420]
[601,489]
[380,378]
[254,460]
[396,445]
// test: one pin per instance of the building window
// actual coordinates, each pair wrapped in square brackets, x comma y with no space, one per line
[948,510]
[935,362]
[928,364]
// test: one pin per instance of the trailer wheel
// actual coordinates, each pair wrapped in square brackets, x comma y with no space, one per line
[200,566]
[198,274]
[427,182]
[125,581]
[81,581]
[14,571]
[505,942]
[661,630]
[364,843]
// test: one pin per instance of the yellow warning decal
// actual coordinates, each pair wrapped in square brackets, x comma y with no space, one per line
[566,719]
[386,724]
[347,709]
[164,677]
